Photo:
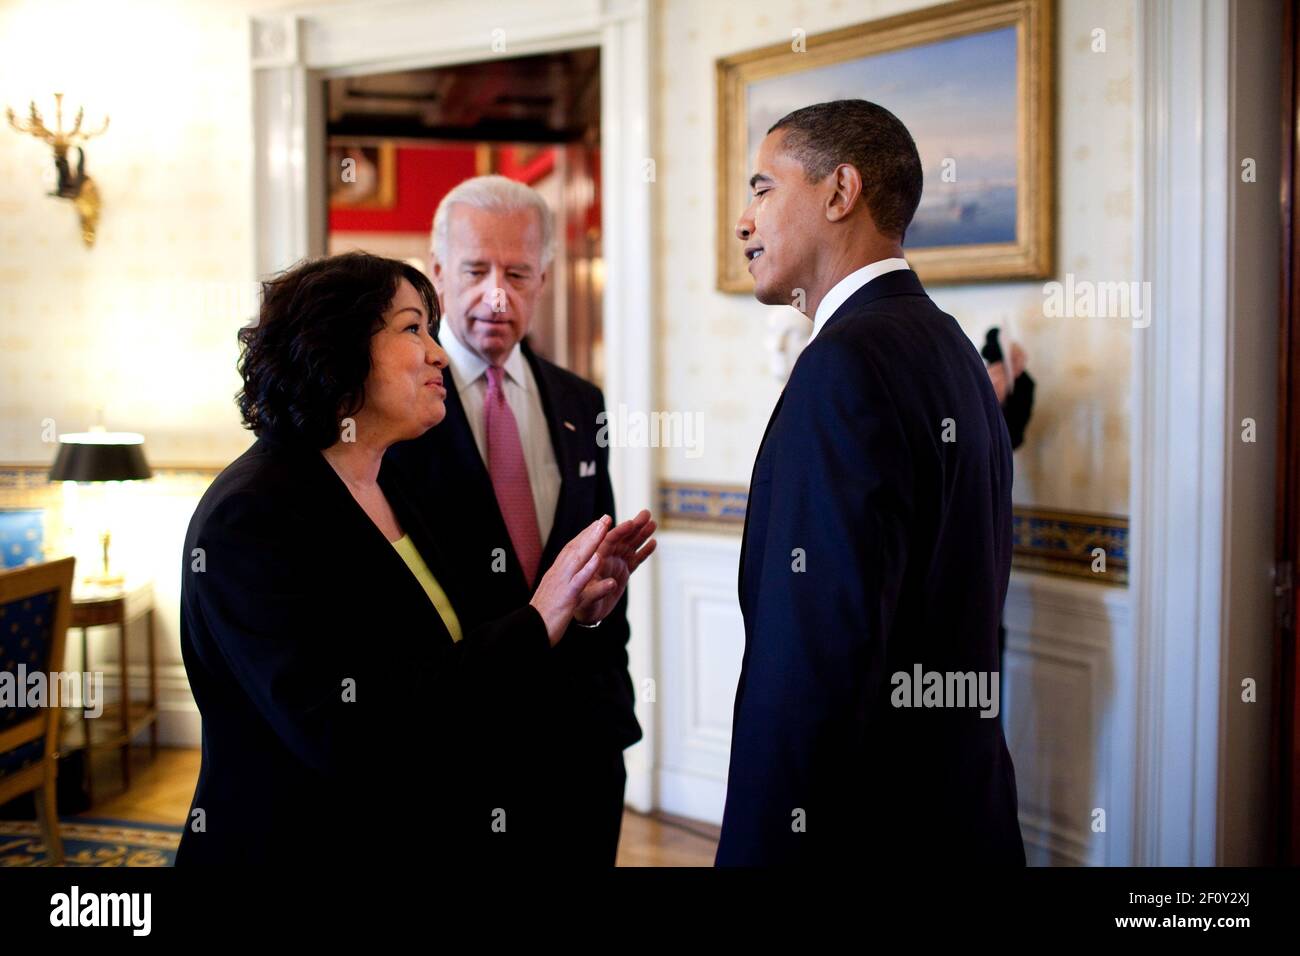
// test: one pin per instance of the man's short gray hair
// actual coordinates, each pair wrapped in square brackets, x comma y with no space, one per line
[497,194]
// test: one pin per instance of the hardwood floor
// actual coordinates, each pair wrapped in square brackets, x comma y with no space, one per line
[661,840]
[161,791]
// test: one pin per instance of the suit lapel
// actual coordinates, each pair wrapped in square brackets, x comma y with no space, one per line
[456,432]
[424,538]
[556,409]
[744,536]
[372,554]
[776,410]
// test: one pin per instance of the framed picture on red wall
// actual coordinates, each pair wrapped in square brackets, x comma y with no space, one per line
[362,175]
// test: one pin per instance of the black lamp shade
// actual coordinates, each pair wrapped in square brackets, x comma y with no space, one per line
[99,461]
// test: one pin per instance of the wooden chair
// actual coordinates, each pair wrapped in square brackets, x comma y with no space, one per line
[35,606]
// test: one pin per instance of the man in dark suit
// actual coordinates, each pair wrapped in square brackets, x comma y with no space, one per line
[514,470]
[877,540]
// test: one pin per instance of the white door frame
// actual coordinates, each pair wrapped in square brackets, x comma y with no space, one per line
[1180,427]
[293,51]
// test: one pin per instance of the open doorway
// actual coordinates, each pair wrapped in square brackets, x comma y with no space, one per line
[293,57]
[1285,743]
[407,138]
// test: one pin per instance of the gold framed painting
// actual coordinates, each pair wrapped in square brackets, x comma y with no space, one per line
[973,81]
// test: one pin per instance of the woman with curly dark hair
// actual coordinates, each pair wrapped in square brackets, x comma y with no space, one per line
[339,696]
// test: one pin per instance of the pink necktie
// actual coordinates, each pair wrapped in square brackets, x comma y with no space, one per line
[510,476]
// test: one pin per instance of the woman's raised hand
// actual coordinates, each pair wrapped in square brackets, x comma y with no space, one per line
[561,587]
[621,553]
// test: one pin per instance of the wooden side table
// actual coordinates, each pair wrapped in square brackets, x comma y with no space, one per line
[119,723]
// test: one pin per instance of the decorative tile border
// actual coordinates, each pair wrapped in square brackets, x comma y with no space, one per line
[27,486]
[1063,542]
[703,507]
[1058,542]
[1050,540]
[21,476]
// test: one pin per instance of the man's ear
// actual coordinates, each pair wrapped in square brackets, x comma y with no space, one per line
[846,190]
[438,278]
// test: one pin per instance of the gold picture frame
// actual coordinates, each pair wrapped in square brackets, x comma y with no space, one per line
[373,183]
[1030,252]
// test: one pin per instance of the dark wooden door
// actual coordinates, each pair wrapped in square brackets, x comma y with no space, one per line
[1286,737]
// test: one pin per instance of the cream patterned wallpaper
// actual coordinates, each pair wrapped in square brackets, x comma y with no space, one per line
[141,326]
[712,358]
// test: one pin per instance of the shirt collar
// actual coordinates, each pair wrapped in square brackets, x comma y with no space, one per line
[851,283]
[467,367]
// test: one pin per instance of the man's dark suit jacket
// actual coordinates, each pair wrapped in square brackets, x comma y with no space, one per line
[290,597]
[871,545]
[574,716]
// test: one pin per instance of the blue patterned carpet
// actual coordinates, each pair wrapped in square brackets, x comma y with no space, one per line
[91,842]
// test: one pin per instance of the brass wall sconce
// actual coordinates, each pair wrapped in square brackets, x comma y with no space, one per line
[78,187]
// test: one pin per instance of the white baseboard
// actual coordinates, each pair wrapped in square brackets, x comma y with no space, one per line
[697,796]
[179,722]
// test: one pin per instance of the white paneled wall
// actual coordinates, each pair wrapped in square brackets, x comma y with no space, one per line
[701,639]
[1068,718]
[1065,706]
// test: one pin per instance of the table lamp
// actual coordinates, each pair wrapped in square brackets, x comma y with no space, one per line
[101,456]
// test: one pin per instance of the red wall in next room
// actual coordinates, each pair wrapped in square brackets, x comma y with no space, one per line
[424,176]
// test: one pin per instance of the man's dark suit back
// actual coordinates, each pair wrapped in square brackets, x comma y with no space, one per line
[877,538]
[575,714]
